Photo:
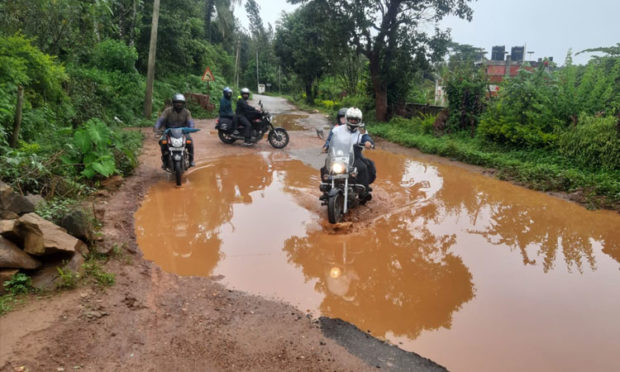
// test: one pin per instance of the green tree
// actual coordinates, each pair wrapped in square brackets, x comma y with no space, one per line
[388,33]
[300,45]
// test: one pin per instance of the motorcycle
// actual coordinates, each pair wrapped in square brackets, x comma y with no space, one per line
[340,192]
[177,160]
[277,137]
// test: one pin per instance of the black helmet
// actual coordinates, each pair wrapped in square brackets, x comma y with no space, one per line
[178,98]
[341,114]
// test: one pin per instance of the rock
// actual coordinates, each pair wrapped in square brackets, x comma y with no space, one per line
[78,224]
[112,183]
[42,237]
[6,274]
[8,215]
[35,199]
[48,278]
[12,203]
[7,230]
[11,257]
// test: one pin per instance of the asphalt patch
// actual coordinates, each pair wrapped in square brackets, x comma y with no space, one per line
[374,351]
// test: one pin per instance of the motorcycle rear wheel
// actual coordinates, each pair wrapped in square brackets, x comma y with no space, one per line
[225,137]
[178,171]
[278,138]
[335,208]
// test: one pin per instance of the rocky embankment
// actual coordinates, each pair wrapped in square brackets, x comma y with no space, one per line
[36,246]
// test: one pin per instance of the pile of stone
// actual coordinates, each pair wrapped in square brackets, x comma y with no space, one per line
[36,246]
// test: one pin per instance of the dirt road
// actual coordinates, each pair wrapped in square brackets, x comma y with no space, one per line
[151,320]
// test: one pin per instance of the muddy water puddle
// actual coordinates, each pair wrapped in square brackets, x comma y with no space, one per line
[474,273]
[289,121]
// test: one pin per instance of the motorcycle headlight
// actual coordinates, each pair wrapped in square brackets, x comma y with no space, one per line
[176,142]
[338,168]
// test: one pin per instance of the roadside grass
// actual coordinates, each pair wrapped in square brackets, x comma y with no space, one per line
[537,169]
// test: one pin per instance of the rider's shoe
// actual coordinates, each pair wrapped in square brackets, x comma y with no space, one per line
[236,133]
[192,164]
[248,143]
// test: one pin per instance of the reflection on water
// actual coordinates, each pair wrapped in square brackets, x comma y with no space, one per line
[289,121]
[472,272]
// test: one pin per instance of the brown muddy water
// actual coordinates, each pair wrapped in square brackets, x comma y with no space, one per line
[289,121]
[474,273]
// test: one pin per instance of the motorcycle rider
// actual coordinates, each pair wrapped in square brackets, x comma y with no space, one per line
[245,114]
[226,104]
[366,171]
[176,116]
[340,120]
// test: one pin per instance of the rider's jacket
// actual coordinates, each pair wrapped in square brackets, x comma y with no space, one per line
[170,118]
[356,138]
[226,108]
[244,108]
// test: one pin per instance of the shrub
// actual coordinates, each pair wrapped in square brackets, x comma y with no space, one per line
[466,90]
[114,55]
[100,151]
[593,143]
[523,115]
[18,284]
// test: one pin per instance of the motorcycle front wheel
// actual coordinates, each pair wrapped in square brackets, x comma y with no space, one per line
[278,138]
[335,208]
[178,171]
[225,137]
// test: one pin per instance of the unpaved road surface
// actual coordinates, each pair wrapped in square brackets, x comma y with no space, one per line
[151,320]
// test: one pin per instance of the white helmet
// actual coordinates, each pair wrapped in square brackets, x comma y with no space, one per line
[354,118]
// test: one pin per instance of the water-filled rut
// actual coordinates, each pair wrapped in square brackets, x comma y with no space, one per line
[472,272]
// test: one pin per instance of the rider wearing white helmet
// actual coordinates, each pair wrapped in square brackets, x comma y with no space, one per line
[365,167]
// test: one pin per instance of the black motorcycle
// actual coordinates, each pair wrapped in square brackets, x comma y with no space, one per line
[277,137]
[177,160]
[340,190]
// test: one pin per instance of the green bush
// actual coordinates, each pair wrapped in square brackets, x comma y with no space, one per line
[523,114]
[466,91]
[593,143]
[115,55]
[18,284]
[101,151]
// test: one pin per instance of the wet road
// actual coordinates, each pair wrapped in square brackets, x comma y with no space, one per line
[474,273]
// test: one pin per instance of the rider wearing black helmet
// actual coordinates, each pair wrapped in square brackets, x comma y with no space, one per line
[245,114]
[226,104]
[176,116]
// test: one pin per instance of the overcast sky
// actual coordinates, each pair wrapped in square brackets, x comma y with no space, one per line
[547,28]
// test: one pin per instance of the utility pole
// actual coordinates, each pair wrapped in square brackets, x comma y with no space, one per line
[237,63]
[150,74]
[257,81]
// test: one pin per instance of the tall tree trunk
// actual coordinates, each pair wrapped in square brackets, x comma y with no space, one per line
[309,96]
[381,101]
[150,74]
[17,123]
[132,23]
[210,7]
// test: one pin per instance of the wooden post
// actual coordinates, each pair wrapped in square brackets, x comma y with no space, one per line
[150,75]
[18,116]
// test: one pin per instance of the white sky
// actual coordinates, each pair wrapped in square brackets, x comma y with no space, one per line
[548,28]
